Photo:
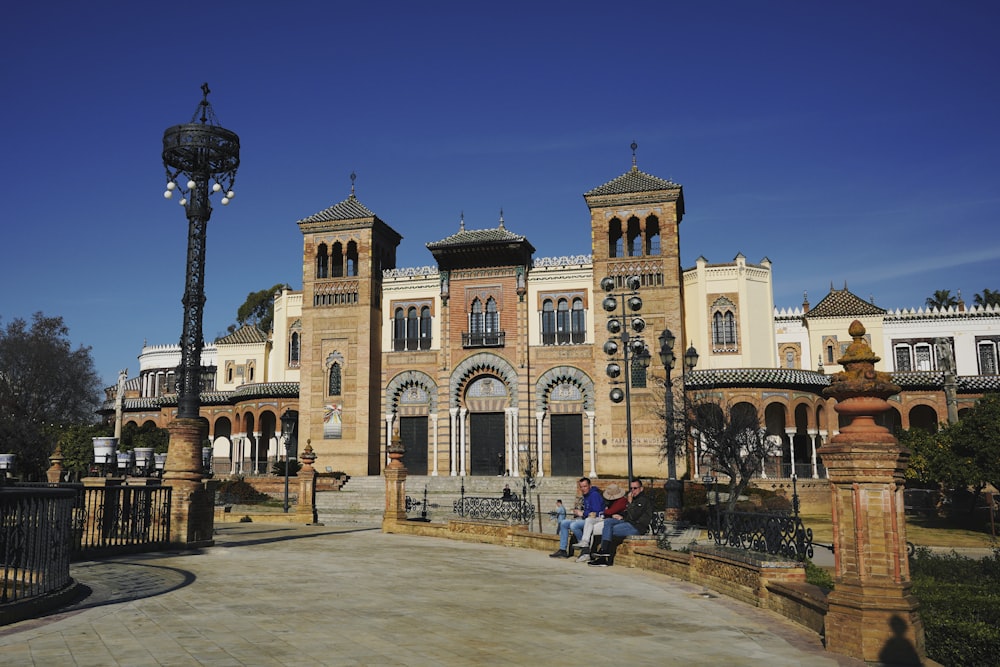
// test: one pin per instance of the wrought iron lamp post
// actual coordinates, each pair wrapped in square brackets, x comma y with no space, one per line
[674,487]
[288,420]
[200,158]
[619,329]
[197,153]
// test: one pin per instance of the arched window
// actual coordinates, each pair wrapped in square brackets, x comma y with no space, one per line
[562,321]
[616,246]
[412,328]
[352,258]
[425,328]
[476,317]
[322,261]
[337,260]
[334,387]
[652,235]
[634,238]
[399,330]
[789,358]
[724,325]
[492,316]
[293,349]
[548,323]
[579,324]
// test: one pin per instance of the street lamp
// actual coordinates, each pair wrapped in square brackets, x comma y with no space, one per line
[193,155]
[673,486]
[288,421]
[619,328]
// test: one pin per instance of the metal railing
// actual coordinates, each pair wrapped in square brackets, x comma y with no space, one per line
[35,547]
[771,533]
[121,518]
[508,507]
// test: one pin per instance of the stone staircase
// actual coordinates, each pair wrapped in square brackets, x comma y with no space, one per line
[362,500]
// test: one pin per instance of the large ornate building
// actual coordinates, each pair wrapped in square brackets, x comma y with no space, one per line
[494,361]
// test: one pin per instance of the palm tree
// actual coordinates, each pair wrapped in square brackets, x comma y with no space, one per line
[987,297]
[942,300]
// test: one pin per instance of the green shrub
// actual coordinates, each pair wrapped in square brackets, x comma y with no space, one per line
[818,576]
[238,492]
[959,606]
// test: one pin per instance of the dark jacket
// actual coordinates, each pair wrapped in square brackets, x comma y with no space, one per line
[639,513]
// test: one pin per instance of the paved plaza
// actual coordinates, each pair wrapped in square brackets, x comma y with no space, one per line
[351,595]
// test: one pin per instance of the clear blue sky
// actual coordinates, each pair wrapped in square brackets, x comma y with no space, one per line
[850,141]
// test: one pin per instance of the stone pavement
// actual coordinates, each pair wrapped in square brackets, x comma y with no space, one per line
[328,595]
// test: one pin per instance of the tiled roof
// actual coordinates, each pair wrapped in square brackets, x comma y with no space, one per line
[632,181]
[269,389]
[767,377]
[478,237]
[843,303]
[349,209]
[973,384]
[248,333]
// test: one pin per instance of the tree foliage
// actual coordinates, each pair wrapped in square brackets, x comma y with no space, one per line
[76,443]
[45,385]
[987,297]
[733,439]
[960,456]
[258,309]
[147,435]
[942,300]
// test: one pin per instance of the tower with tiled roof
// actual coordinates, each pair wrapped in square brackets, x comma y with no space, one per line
[345,249]
[827,323]
[634,222]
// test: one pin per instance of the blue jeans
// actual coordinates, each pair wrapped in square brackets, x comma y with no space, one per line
[617,528]
[566,525]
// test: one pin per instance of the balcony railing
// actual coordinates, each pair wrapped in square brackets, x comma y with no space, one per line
[483,339]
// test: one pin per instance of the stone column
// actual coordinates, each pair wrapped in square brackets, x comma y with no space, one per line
[453,412]
[539,419]
[462,444]
[591,416]
[434,439]
[395,486]
[872,613]
[813,439]
[305,508]
[192,499]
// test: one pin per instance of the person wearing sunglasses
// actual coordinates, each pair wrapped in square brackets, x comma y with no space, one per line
[635,520]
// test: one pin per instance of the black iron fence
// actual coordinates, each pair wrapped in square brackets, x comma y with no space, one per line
[117,518]
[121,519]
[774,533]
[35,529]
[508,507]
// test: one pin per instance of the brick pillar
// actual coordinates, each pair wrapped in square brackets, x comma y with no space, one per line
[55,471]
[192,499]
[395,486]
[872,613]
[305,509]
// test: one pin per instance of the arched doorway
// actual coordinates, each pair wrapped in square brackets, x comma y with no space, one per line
[485,400]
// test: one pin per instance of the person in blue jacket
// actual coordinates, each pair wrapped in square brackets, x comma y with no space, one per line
[593,505]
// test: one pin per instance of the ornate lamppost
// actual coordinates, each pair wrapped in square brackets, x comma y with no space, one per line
[198,152]
[633,350]
[288,421]
[200,158]
[673,486]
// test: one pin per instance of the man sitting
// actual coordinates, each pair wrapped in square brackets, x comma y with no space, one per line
[634,521]
[593,504]
[614,496]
